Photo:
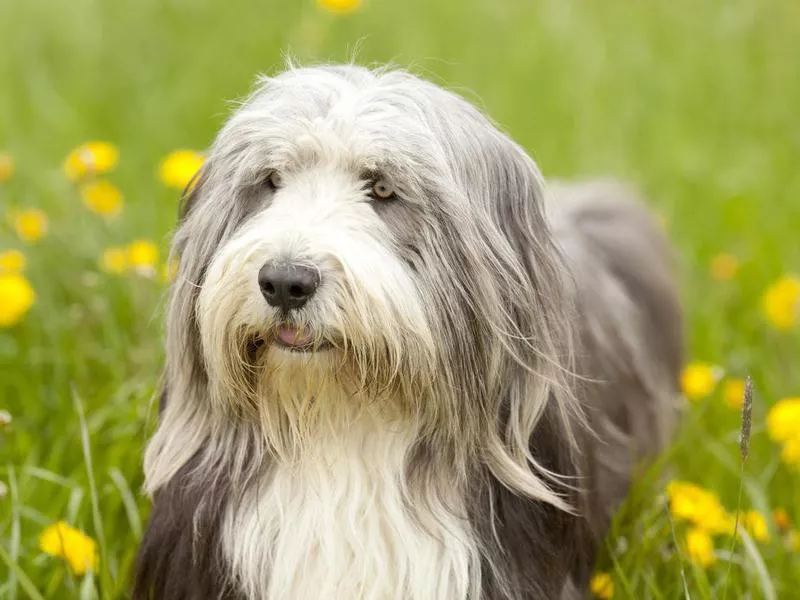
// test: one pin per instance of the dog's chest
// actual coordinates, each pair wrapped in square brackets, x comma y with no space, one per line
[337,526]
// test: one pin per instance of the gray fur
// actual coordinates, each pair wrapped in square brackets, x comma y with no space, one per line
[531,344]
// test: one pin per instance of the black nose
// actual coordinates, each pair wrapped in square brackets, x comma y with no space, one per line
[287,286]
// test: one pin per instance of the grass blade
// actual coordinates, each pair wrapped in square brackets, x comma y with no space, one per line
[681,560]
[49,476]
[15,529]
[105,577]
[764,578]
[24,581]
[88,591]
[744,452]
[128,501]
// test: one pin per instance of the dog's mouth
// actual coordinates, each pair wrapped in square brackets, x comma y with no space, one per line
[299,339]
[290,338]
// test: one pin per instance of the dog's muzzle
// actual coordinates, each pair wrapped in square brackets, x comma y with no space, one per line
[286,286]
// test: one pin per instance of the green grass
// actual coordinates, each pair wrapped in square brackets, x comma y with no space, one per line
[694,102]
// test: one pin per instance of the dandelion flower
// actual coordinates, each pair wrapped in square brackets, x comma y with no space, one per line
[142,257]
[6,167]
[699,379]
[179,167]
[602,586]
[700,547]
[91,158]
[781,303]
[783,425]
[74,546]
[790,453]
[724,267]
[102,197]
[16,298]
[783,420]
[698,506]
[340,6]
[756,525]
[781,519]
[12,261]
[114,260]
[733,393]
[30,225]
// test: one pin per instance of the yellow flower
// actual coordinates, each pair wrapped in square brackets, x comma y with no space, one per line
[340,6]
[733,393]
[724,267]
[16,297]
[781,519]
[143,256]
[699,379]
[74,546]
[31,225]
[700,547]
[12,261]
[783,420]
[602,586]
[790,453]
[756,525]
[783,425]
[102,197]
[91,158]
[6,167]
[114,260]
[702,508]
[179,167]
[781,302]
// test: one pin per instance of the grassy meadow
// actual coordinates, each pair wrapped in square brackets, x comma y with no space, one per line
[695,102]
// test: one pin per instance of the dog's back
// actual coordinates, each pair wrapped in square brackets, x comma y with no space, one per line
[630,329]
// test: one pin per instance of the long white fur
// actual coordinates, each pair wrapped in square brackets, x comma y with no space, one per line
[339,523]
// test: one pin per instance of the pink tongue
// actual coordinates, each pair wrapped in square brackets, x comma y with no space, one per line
[292,336]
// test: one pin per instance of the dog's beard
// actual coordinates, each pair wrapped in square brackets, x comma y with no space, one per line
[295,393]
[360,344]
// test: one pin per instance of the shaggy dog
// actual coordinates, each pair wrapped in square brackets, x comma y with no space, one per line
[399,365]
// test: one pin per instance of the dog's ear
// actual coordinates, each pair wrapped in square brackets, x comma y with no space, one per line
[514,195]
[531,309]
[518,206]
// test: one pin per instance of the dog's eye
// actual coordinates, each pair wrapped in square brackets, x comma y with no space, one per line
[382,190]
[273,181]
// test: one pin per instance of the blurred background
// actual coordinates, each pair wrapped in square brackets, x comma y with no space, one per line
[107,107]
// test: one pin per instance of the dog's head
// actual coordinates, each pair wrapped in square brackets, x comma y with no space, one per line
[372,231]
